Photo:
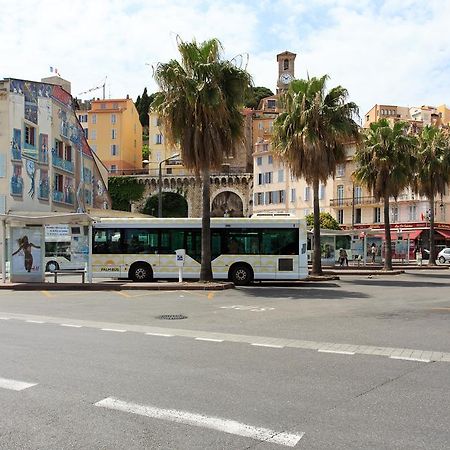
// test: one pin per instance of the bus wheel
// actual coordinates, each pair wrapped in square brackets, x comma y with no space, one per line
[241,275]
[51,266]
[141,272]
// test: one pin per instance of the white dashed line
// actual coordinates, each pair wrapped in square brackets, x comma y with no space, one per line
[200,420]
[339,352]
[34,321]
[70,325]
[405,358]
[159,334]
[113,329]
[208,339]
[15,385]
[4,318]
[267,345]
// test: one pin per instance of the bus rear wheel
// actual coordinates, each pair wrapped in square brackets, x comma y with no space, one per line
[241,275]
[51,266]
[141,272]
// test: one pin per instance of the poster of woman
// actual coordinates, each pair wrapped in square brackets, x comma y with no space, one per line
[26,245]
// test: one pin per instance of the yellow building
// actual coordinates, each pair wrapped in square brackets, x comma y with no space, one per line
[114,133]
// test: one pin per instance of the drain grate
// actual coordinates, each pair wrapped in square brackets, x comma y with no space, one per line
[172,317]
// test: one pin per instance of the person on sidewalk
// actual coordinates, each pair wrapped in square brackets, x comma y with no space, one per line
[373,251]
[419,256]
[343,257]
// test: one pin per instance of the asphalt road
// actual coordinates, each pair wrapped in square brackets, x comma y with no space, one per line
[361,363]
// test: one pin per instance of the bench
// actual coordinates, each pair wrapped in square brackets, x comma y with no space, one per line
[81,272]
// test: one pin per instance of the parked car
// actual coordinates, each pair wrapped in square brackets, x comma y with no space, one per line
[444,255]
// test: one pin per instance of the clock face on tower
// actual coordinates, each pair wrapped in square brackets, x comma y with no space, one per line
[286,78]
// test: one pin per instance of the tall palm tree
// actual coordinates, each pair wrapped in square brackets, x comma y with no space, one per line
[432,173]
[199,104]
[310,137]
[384,164]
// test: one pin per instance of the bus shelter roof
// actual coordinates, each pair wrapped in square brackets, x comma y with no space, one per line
[35,218]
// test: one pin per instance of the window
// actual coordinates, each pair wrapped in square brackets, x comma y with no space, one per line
[307,196]
[259,161]
[86,133]
[113,119]
[158,138]
[260,179]
[280,176]
[260,198]
[270,159]
[286,64]
[113,168]
[394,214]
[293,195]
[93,135]
[268,177]
[114,150]
[260,126]
[279,242]
[113,133]
[271,103]
[265,148]
[103,106]
[269,198]
[321,192]
[358,194]
[59,148]
[340,216]
[30,135]
[282,196]
[340,170]
[115,105]
[340,194]
[358,215]
[94,118]
[412,212]
[108,241]
[68,153]
[377,214]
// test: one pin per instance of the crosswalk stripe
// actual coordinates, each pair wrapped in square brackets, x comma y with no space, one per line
[200,420]
[15,385]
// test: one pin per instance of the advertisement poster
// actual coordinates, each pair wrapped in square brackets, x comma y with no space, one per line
[26,254]
[327,248]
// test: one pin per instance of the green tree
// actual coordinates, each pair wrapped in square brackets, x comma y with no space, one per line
[432,174]
[384,164]
[327,221]
[142,104]
[173,205]
[200,108]
[255,95]
[123,191]
[145,152]
[311,136]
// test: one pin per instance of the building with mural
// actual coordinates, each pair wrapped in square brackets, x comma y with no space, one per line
[46,163]
[114,133]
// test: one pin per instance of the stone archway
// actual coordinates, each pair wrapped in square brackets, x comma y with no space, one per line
[227,203]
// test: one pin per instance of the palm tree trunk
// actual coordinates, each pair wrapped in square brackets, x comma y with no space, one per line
[316,263]
[387,236]
[206,270]
[432,260]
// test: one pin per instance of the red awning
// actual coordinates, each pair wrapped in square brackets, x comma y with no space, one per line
[445,233]
[412,235]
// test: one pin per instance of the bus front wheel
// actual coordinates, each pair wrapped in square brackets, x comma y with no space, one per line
[141,272]
[241,275]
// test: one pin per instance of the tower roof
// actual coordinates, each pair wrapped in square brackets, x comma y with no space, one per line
[286,53]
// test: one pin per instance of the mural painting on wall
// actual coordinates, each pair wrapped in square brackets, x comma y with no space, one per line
[43,148]
[16,145]
[44,187]
[31,172]
[17,181]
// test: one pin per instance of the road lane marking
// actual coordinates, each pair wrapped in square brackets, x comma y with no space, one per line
[406,358]
[15,385]
[47,294]
[4,318]
[71,325]
[123,294]
[340,352]
[159,334]
[200,420]
[211,295]
[116,330]
[267,345]
[208,339]
[34,321]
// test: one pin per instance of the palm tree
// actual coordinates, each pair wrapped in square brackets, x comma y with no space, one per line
[310,137]
[432,173]
[199,104]
[384,164]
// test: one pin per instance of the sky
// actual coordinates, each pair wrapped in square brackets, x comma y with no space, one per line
[383,51]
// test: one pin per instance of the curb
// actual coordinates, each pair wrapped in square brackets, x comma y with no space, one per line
[366,272]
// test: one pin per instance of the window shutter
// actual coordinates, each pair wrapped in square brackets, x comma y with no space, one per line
[2,165]
[2,204]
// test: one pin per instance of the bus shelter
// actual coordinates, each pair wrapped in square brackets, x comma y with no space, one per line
[23,240]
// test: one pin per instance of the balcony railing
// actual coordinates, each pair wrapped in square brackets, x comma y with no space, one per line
[16,185]
[62,163]
[173,172]
[63,197]
[348,201]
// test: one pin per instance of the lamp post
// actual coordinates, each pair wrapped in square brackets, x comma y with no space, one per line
[160,182]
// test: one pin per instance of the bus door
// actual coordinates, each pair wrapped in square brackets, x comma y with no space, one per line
[193,246]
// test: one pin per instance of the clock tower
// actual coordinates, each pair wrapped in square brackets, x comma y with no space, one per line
[285,70]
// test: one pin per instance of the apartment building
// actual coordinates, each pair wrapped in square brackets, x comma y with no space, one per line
[114,132]
[45,161]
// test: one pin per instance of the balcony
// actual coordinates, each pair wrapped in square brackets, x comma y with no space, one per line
[63,197]
[61,163]
[16,185]
[348,201]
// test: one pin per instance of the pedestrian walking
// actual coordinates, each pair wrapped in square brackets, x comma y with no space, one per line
[373,251]
[343,257]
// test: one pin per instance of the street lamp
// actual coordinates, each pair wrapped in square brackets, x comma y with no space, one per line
[160,182]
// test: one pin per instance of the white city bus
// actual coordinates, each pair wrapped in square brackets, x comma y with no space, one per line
[243,250]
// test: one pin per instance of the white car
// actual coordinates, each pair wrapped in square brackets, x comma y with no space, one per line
[444,255]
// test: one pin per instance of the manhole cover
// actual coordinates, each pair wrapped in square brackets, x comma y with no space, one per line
[172,317]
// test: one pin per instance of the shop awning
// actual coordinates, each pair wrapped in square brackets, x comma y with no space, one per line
[412,235]
[445,233]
